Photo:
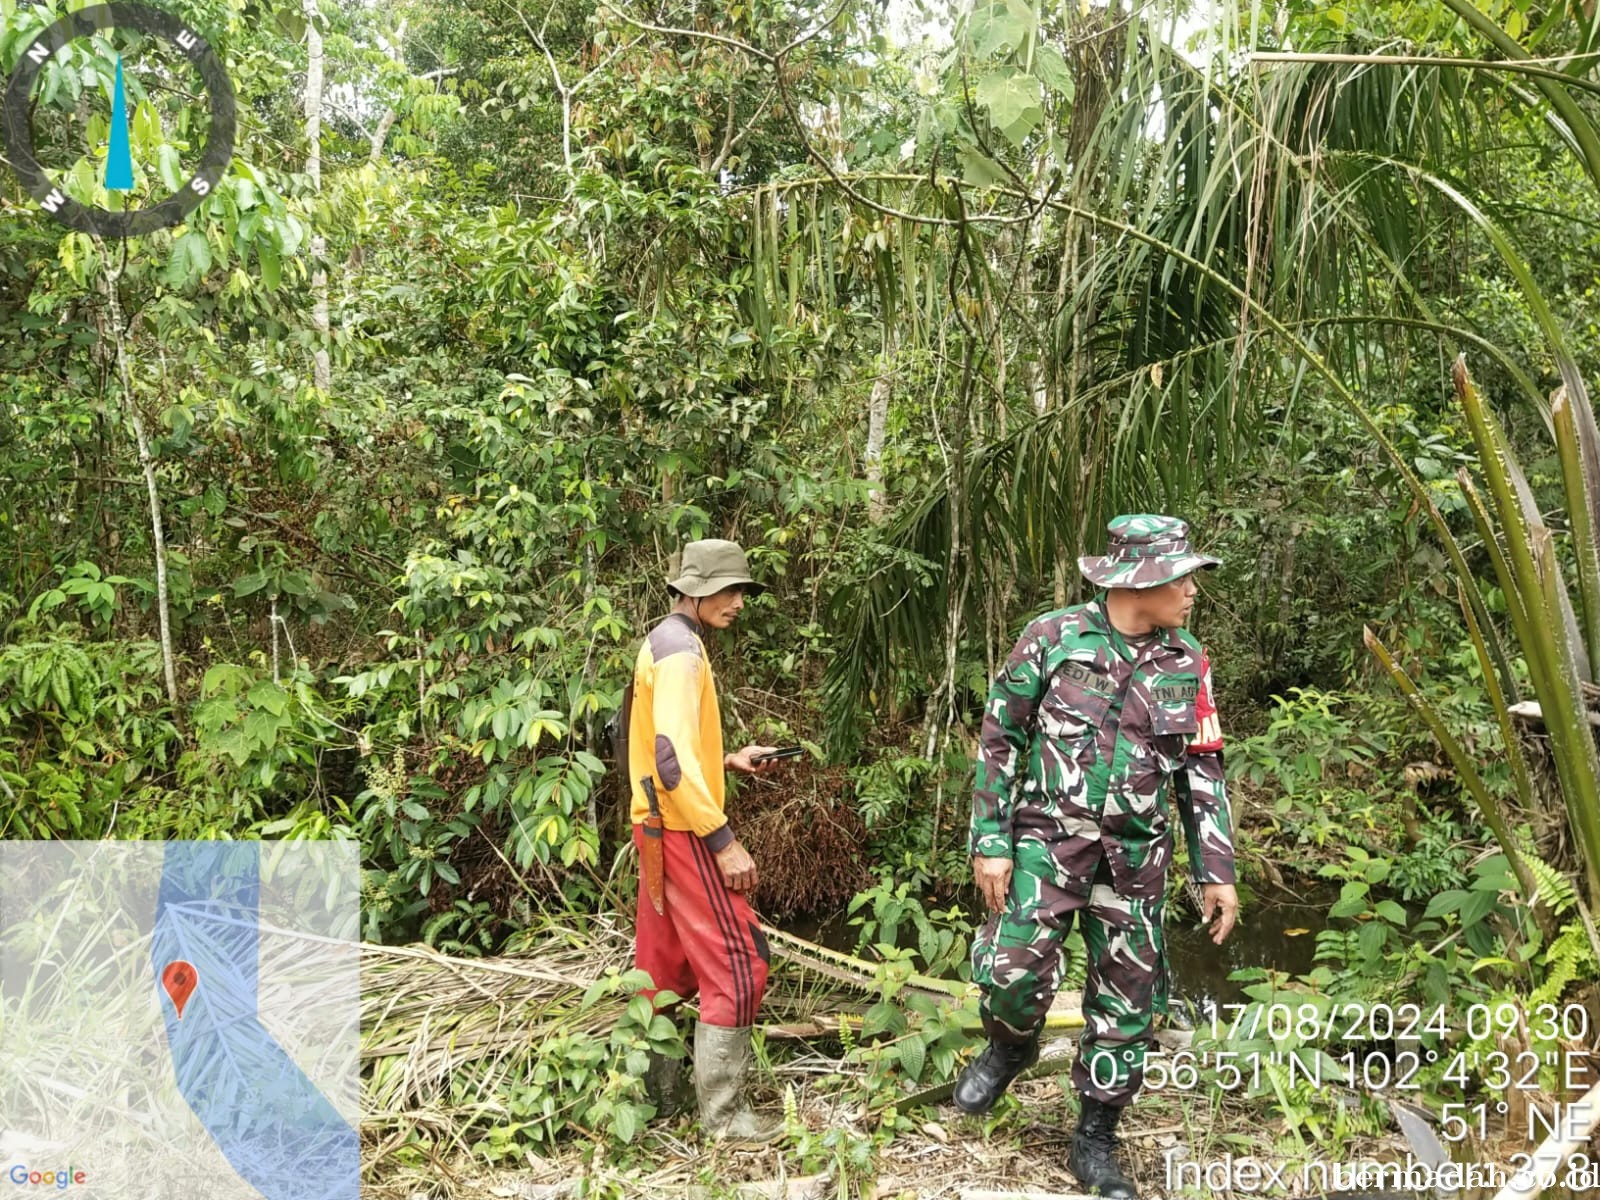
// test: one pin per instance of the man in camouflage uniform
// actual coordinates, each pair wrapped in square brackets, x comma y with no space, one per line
[1100,707]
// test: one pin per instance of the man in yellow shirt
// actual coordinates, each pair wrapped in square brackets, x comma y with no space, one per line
[706,941]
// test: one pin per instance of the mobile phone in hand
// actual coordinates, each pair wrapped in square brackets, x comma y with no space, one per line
[773,756]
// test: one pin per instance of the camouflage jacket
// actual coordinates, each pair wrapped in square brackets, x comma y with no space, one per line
[1081,737]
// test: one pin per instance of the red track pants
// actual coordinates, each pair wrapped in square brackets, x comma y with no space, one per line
[708,942]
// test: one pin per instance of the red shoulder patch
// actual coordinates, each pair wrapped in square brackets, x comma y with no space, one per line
[1209,737]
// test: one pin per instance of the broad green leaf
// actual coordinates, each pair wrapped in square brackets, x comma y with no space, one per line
[291,233]
[178,419]
[1013,100]
[980,169]
[224,676]
[291,22]
[169,165]
[1391,912]
[640,1010]
[145,126]
[191,258]
[271,266]
[199,250]
[82,181]
[1477,907]
[999,27]
[269,696]
[262,728]
[1445,902]
[1498,962]
[232,743]
[1052,69]
[882,1017]
[1371,938]
[594,991]
[1349,907]
[913,1056]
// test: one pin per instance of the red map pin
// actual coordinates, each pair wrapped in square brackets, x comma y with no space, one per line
[179,979]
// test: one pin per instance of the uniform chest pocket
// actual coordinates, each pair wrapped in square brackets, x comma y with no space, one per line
[1173,719]
[1075,704]
[1174,722]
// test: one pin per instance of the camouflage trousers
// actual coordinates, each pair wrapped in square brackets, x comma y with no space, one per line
[1018,958]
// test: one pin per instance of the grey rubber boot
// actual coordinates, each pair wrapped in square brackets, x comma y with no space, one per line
[723,1057]
[666,1085]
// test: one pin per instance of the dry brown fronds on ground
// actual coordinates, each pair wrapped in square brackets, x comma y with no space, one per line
[949,1157]
[429,1020]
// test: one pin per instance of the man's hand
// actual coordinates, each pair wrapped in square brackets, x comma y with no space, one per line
[993,877]
[741,763]
[737,867]
[1223,900]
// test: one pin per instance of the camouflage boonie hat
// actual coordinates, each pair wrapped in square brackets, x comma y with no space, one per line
[1145,550]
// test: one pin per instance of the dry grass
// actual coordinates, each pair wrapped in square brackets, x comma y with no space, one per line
[435,1013]
[444,1037]
[432,1021]
[948,1157]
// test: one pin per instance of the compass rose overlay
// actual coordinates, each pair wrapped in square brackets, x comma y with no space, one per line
[14,119]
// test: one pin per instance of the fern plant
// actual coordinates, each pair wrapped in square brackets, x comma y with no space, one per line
[1574,952]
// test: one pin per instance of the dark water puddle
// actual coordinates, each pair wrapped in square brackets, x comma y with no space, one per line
[1277,934]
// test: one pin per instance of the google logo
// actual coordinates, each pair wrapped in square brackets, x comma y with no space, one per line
[21,1175]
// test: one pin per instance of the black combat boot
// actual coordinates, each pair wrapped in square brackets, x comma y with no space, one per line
[1094,1145]
[988,1076]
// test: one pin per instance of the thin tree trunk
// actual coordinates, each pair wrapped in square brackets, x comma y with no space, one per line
[1086,425]
[591,576]
[396,51]
[1069,273]
[379,135]
[322,372]
[958,598]
[1038,389]
[959,577]
[877,423]
[568,94]
[1035,375]
[147,466]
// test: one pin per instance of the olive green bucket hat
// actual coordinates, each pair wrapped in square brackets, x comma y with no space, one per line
[710,565]
[1145,550]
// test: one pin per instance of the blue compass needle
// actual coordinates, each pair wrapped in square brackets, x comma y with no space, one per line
[119,158]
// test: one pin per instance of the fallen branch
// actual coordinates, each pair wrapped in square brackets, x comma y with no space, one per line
[829,1026]
[848,969]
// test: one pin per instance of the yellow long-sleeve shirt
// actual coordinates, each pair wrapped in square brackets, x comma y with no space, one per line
[675,733]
